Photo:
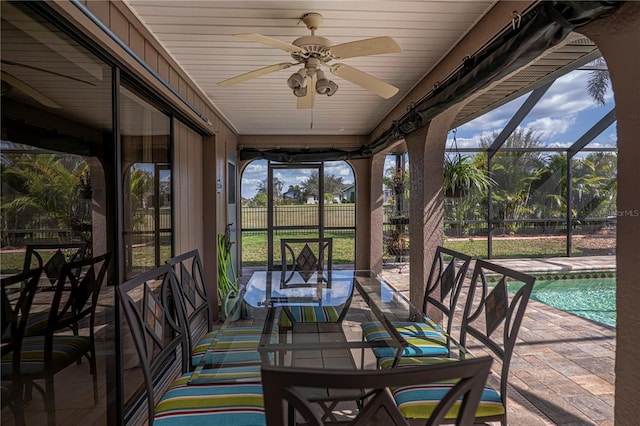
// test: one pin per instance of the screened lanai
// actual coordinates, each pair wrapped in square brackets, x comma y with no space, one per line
[132,86]
[551,155]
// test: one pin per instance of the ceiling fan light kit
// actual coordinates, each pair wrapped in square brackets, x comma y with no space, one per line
[324,86]
[314,52]
[298,79]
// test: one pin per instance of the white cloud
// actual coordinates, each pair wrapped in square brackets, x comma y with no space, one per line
[548,127]
[567,96]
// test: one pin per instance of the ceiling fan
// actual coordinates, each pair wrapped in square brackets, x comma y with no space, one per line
[315,52]
[9,82]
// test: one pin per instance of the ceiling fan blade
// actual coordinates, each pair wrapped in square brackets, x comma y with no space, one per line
[364,80]
[253,74]
[307,101]
[28,90]
[272,42]
[7,62]
[370,46]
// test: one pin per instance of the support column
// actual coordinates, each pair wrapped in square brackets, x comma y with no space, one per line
[363,224]
[377,211]
[426,209]
[99,219]
[618,38]
[210,229]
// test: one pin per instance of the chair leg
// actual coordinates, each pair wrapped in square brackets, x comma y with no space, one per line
[17,405]
[94,373]
[28,391]
[50,402]
[74,328]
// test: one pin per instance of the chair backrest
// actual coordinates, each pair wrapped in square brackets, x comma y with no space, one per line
[293,384]
[63,253]
[494,316]
[77,291]
[18,292]
[192,292]
[305,256]
[158,335]
[447,275]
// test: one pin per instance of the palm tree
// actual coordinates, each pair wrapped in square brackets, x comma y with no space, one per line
[517,174]
[37,186]
[598,82]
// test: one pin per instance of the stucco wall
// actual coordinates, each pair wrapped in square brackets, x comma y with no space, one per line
[618,38]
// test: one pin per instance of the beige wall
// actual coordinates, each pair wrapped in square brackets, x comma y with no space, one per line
[188,189]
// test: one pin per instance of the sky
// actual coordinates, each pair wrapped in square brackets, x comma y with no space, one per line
[565,112]
[256,172]
[561,117]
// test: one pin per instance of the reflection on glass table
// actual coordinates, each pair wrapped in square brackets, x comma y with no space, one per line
[241,346]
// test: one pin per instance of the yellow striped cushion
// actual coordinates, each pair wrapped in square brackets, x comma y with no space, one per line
[309,314]
[66,350]
[237,345]
[229,404]
[419,401]
[423,339]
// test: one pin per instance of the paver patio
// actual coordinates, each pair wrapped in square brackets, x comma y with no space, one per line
[562,371]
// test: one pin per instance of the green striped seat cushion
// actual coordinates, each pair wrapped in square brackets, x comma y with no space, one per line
[237,345]
[229,404]
[309,314]
[423,339]
[418,402]
[66,350]
[229,373]
[37,324]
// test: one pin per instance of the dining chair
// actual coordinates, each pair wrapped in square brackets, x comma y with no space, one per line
[63,253]
[464,379]
[423,336]
[43,356]
[160,338]
[307,257]
[493,312]
[198,311]
[311,259]
[18,292]
[40,255]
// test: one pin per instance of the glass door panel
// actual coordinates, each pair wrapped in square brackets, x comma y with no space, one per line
[295,205]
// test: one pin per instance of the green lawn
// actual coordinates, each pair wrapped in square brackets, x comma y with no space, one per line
[254,250]
[254,247]
[11,262]
[511,248]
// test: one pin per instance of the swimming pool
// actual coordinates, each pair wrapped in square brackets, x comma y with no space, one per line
[591,295]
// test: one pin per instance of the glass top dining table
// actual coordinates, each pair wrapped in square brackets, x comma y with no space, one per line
[311,321]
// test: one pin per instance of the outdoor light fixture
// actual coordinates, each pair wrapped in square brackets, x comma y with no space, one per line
[324,86]
[298,82]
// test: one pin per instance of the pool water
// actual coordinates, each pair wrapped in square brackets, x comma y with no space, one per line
[591,298]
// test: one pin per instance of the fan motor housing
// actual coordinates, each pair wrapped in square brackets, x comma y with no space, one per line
[314,46]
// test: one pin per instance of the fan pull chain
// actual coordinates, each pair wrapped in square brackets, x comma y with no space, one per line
[311,123]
